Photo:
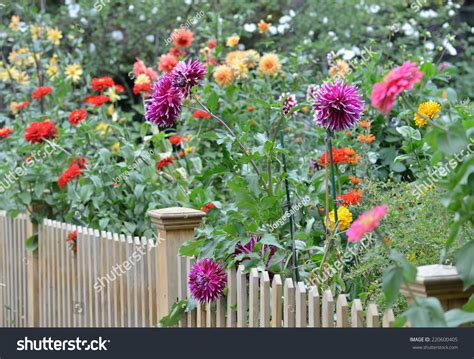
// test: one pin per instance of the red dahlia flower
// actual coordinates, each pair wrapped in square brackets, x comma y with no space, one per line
[41,92]
[207,280]
[5,132]
[22,105]
[208,207]
[211,44]
[352,197]
[74,171]
[72,240]
[39,131]
[182,38]
[81,162]
[146,88]
[175,140]
[344,155]
[77,116]
[96,101]
[167,63]
[201,114]
[102,83]
[164,162]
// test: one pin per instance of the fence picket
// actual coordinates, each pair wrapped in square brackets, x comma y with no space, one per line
[328,309]
[357,314]
[241,297]
[301,309]
[289,304]
[388,319]
[372,316]
[264,300]
[3,288]
[192,316]
[314,309]
[220,313]
[277,304]
[342,312]
[231,298]
[253,298]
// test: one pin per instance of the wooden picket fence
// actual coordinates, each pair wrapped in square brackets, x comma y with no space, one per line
[253,301]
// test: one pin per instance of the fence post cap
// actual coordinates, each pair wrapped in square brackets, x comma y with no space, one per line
[437,272]
[176,218]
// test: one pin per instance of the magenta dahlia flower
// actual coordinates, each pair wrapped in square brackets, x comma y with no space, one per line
[164,105]
[250,246]
[338,106]
[366,223]
[186,75]
[399,79]
[288,103]
[207,280]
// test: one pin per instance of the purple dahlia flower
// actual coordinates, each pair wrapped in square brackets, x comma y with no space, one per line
[311,92]
[207,280]
[250,246]
[338,106]
[164,105]
[187,74]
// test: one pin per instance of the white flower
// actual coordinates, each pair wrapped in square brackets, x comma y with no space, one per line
[188,2]
[150,38]
[450,48]
[154,10]
[284,19]
[142,17]
[325,20]
[117,35]
[346,54]
[130,8]
[272,30]
[374,9]
[445,25]
[369,29]
[292,13]
[84,21]
[73,10]
[426,14]
[282,28]
[311,32]
[250,27]
[429,45]
[409,30]
[91,47]
[451,12]
[389,45]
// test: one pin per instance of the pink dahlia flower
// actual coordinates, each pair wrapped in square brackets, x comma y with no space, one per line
[338,106]
[399,79]
[186,75]
[164,106]
[207,280]
[140,68]
[366,223]
[288,103]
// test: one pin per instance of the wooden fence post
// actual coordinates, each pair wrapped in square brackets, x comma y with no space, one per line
[174,226]
[32,270]
[442,282]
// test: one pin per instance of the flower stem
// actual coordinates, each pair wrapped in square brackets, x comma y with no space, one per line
[333,177]
[288,202]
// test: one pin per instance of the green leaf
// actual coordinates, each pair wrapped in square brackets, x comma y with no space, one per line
[426,312]
[453,141]
[392,278]
[176,313]
[465,264]
[31,244]
[408,269]
[212,101]
[457,317]
[25,198]
[188,249]
[270,239]
[469,306]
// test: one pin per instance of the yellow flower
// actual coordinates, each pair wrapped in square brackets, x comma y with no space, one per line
[54,35]
[188,137]
[263,26]
[233,41]
[21,77]
[73,72]
[252,58]
[344,216]
[116,147]
[188,150]
[35,31]
[428,109]
[14,23]
[4,75]
[14,107]
[51,70]
[53,60]
[341,68]
[113,95]
[142,79]
[234,57]
[269,64]
[21,57]
[102,128]
[223,75]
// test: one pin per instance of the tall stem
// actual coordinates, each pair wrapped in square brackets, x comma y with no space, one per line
[333,177]
[288,203]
